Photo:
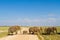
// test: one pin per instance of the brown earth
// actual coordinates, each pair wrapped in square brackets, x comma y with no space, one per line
[21,37]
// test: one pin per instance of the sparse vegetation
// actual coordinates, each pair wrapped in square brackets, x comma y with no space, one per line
[51,37]
[4,28]
[46,37]
[3,34]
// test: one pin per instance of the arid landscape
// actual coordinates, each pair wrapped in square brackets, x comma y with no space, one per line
[20,36]
[29,19]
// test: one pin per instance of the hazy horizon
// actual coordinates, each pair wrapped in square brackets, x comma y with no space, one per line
[30,12]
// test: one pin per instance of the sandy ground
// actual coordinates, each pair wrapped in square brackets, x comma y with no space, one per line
[21,37]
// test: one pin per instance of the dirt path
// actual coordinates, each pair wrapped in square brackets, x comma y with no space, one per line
[21,37]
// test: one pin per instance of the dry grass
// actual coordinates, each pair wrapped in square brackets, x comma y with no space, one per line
[51,37]
[46,37]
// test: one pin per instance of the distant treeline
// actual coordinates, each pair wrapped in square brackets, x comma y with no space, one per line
[32,26]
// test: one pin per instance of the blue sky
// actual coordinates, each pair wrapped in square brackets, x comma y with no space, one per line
[30,12]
